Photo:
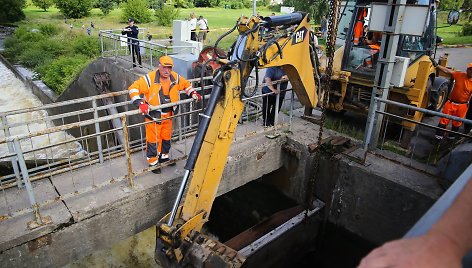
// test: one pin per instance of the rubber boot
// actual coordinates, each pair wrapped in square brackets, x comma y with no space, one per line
[451,135]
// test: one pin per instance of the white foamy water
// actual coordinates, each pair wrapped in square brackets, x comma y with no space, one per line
[14,95]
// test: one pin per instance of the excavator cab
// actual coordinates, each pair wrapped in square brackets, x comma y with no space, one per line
[360,55]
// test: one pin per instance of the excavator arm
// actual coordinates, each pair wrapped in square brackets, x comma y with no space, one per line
[273,41]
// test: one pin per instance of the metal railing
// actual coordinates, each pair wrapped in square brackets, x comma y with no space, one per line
[79,133]
[117,46]
[423,147]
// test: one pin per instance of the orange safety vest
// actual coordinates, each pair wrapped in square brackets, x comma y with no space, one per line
[150,86]
[359,25]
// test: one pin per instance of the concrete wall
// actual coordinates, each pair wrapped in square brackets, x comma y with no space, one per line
[378,200]
[108,215]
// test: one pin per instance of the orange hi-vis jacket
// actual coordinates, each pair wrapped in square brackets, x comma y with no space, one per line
[157,93]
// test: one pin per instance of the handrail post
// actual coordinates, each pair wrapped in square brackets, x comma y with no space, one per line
[371,118]
[97,131]
[29,189]
[101,43]
[127,152]
[291,110]
[115,48]
[14,163]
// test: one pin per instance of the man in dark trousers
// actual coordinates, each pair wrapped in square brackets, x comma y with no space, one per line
[268,102]
[132,32]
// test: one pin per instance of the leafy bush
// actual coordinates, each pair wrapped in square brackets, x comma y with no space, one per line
[11,11]
[61,72]
[49,29]
[183,3]
[203,3]
[156,4]
[467,29]
[138,10]
[74,8]
[106,6]
[86,45]
[166,15]
[236,4]
[262,3]
[43,4]
[39,53]
[32,57]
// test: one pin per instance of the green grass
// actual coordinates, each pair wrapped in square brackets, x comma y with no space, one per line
[219,20]
[338,125]
[452,34]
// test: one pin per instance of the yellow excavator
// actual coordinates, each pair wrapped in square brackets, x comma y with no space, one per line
[284,41]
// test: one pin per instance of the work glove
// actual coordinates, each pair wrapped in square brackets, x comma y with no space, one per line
[196,96]
[144,107]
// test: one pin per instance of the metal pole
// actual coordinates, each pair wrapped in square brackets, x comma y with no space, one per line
[277,101]
[179,197]
[116,49]
[101,43]
[370,127]
[291,109]
[29,188]
[386,60]
[97,130]
[127,152]
[14,161]
[254,8]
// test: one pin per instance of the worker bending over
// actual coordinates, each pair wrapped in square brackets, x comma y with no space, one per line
[458,100]
[158,87]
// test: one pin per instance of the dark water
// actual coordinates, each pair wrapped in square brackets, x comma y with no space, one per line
[246,206]
[336,247]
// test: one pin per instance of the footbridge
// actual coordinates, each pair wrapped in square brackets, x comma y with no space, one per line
[75,179]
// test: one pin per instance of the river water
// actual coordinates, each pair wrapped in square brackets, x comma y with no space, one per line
[14,95]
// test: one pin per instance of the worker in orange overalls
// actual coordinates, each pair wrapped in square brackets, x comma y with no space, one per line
[458,100]
[158,87]
[359,26]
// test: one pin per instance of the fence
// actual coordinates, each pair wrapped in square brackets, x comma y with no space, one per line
[115,45]
[109,139]
[423,146]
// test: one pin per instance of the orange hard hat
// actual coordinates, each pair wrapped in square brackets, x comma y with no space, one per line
[166,61]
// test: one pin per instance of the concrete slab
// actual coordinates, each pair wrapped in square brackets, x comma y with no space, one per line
[14,228]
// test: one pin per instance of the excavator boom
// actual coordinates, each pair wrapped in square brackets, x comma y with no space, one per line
[273,41]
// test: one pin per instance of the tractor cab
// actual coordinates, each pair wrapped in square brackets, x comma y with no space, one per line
[361,46]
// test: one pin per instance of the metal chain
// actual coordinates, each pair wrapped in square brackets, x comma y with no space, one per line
[334,10]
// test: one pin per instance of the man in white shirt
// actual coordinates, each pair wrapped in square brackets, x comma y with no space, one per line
[203,26]
[193,27]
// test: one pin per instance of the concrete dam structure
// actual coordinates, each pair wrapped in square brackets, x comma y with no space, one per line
[112,197]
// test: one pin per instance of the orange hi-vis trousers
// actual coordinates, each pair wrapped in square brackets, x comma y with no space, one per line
[454,109]
[158,138]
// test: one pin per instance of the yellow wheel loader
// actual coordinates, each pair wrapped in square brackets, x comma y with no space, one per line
[415,81]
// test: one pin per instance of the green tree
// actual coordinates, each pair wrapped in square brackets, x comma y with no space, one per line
[74,8]
[43,4]
[450,4]
[316,8]
[106,6]
[467,7]
[166,15]
[11,11]
[138,10]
